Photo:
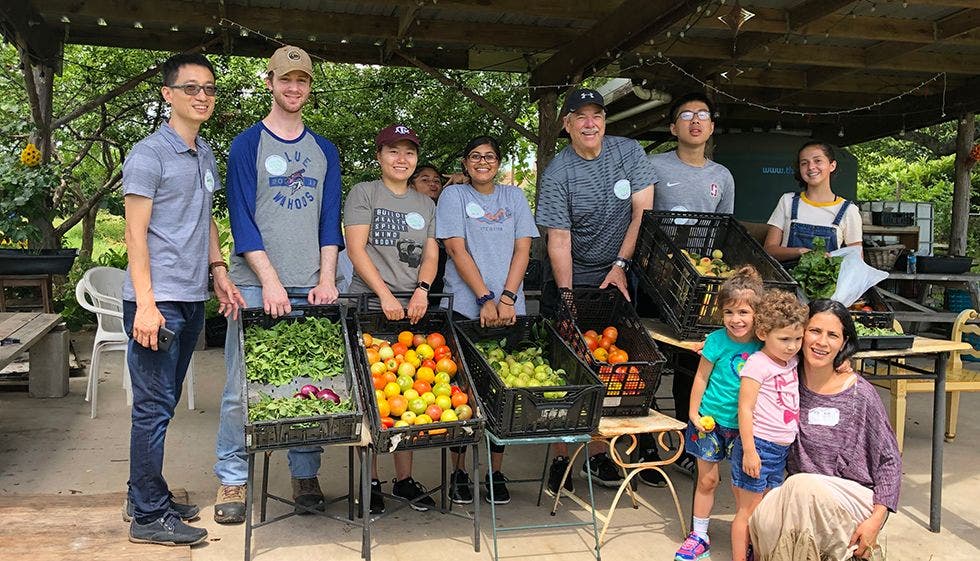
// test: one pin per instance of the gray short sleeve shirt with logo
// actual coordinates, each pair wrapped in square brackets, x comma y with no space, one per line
[687,188]
[399,228]
[592,199]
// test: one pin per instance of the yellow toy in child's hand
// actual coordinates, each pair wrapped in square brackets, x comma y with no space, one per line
[708,422]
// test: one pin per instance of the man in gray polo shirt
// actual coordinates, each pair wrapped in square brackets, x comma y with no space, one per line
[169,178]
[284,206]
[591,202]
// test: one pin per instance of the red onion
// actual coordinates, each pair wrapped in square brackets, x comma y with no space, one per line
[309,390]
[328,394]
[299,395]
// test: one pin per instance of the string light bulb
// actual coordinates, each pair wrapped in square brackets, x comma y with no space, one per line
[840,133]
[138,25]
[101,22]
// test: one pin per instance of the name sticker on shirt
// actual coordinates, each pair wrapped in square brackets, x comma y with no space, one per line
[275,165]
[824,416]
[415,221]
[474,210]
[209,181]
[622,189]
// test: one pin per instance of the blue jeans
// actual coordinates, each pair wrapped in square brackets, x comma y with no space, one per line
[773,457]
[157,377]
[232,465]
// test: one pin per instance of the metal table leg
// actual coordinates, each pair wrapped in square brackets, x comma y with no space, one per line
[265,485]
[249,498]
[476,495]
[938,426]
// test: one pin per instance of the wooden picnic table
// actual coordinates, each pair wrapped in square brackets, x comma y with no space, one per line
[923,347]
[46,339]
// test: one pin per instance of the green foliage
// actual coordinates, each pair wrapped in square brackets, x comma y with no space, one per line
[74,315]
[817,272]
[270,408]
[309,348]
[22,196]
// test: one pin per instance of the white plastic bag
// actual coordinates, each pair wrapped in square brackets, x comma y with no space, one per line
[856,276]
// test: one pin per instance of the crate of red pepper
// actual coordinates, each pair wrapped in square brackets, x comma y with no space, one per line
[298,378]
[683,258]
[604,330]
[419,392]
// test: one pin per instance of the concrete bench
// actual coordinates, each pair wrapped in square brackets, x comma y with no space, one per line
[45,338]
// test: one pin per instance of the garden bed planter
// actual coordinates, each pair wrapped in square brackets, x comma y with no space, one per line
[36,261]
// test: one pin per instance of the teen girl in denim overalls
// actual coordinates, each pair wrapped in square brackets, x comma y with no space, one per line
[816,165]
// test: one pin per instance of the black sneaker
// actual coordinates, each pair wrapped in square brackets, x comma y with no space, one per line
[556,472]
[167,530]
[686,464]
[377,499]
[603,471]
[185,512]
[307,493]
[413,491]
[651,477]
[501,495]
[460,490]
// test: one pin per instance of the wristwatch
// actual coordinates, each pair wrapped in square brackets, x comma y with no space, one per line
[488,297]
[623,263]
[509,294]
[423,285]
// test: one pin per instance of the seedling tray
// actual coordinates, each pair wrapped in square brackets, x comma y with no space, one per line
[687,300]
[430,435]
[522,412]
[885,342]
[632,385]
[336,428]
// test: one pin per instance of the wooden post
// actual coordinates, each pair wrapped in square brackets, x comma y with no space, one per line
[961,185]
[549,125]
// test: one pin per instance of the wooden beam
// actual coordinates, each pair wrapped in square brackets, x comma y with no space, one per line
[809,11]
[406,17]
[23,26]
[625,28]
[471,95]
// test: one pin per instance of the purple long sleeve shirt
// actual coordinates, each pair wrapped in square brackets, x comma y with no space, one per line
[848,435]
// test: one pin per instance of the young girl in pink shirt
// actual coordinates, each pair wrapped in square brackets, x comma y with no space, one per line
[768,409]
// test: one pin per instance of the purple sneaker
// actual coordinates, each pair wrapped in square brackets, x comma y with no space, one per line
[693,548]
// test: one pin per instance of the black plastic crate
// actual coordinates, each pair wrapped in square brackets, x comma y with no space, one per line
[687,300]
[888,218]
[632,385]
[881,314]
[337,428]
[437,434]
[936,264]
[881,342]
[519,412]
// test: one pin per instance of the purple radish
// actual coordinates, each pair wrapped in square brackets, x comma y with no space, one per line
[309,390]
[328,394]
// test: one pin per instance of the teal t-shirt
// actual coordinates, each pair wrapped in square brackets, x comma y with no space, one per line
[721,397]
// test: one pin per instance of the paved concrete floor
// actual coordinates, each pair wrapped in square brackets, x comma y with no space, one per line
[51,446]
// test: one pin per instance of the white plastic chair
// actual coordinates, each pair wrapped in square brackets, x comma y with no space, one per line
[100,292]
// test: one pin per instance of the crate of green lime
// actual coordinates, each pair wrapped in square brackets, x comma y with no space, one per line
[298,378]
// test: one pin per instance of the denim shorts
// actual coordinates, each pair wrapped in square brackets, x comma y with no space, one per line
[773,470]
[713,446]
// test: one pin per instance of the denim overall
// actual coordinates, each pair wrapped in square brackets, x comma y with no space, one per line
[801,235]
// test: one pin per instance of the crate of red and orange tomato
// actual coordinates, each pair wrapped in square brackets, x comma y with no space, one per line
[604,330]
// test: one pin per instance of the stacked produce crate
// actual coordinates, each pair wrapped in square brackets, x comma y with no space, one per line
[604,331]
[298,379]
[683,258]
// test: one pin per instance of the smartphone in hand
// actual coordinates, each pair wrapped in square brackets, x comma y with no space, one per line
[164,338]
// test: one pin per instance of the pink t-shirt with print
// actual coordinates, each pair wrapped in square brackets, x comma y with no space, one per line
[777,409]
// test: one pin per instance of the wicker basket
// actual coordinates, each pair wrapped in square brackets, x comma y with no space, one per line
[883,257]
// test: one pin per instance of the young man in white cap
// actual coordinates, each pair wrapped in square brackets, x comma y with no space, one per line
[284,204]
[591,202]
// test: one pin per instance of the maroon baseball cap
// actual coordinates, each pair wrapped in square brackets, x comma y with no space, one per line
[393,133]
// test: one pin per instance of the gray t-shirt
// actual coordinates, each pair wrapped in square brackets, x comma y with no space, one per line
[400,226]
[181,182]
[686,188]
[489,224]
[284,199]
[591,199]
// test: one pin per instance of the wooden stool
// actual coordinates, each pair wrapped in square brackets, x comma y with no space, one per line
[41,282]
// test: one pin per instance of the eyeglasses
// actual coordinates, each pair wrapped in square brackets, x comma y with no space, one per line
[476,157]
[194,89]
[689,115]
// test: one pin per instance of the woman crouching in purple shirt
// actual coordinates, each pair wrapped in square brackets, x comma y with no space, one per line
[845,466]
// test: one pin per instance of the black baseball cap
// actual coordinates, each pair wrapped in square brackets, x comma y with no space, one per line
[577,99]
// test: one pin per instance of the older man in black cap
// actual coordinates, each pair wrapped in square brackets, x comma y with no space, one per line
[591,200]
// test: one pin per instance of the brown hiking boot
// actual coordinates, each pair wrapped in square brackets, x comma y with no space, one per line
[307,495]
[229,506]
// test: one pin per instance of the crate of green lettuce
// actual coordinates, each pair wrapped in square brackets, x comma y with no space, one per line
[298,378]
